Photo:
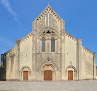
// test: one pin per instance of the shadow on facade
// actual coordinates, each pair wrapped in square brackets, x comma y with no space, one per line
[3,68]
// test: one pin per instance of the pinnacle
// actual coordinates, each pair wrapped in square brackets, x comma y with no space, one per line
[48,3]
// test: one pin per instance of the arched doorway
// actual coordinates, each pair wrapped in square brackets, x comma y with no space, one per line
[70,75]
[48,75]
[48,72]
[25,75]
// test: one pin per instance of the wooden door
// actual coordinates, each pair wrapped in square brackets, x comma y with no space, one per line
[25,75]
[70,75]
[48,75]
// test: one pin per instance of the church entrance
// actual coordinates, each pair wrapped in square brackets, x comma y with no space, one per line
[25,75]
[70,75]
[48,75]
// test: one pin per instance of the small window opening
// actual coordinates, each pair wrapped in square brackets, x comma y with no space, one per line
[26,55]
[48,32]
[52,32]
[44,32]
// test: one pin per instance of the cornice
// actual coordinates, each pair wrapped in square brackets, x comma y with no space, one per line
[25,37]
[10,51]
[86,49]
[69,35]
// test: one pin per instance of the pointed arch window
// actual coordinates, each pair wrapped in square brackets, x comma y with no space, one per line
[52,44]
[43,44]
[50,19]
[45,19]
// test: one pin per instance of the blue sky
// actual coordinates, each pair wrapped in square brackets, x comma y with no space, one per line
[16,18]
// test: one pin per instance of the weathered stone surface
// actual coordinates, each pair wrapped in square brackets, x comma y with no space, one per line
[69,55]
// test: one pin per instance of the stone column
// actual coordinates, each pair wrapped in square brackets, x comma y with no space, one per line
[78,60]
[62,51]
[17,61]
[34,41]
[94,66]
[7,66]
[63,57]
[34,50]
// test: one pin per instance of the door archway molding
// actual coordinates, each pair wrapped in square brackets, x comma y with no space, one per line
[71,68]
[47,62]
[25,68]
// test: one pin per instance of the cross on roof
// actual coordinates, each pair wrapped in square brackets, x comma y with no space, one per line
[48,3]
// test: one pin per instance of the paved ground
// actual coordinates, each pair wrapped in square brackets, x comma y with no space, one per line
[49,86]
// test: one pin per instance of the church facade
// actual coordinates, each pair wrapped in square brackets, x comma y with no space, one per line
[48,53]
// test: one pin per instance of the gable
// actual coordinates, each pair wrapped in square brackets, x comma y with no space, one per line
[48,19]
[49,10]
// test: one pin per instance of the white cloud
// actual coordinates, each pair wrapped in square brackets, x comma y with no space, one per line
[7,5]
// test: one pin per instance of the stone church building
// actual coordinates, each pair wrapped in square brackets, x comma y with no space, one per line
[48,53]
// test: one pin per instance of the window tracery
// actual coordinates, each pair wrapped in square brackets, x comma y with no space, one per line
[52,44]
[43,44]
[48,37]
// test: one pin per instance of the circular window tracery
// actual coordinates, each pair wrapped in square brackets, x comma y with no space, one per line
[48,32]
